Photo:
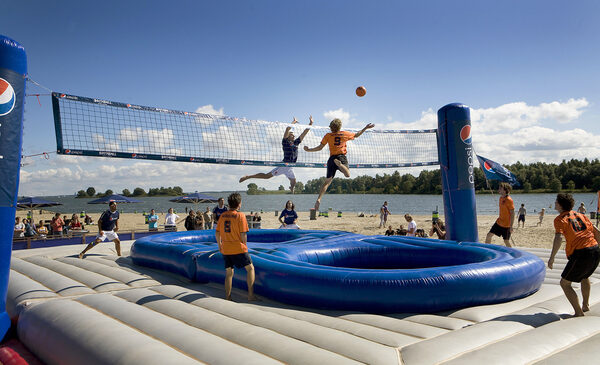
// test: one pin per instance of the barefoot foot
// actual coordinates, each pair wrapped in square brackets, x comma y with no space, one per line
[81,255]
[243,178]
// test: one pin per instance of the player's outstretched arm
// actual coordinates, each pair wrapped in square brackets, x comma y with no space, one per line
[306,130]
[314,149]
[368,126]
[288,129]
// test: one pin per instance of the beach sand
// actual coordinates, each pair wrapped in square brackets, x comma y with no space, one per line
[530,236]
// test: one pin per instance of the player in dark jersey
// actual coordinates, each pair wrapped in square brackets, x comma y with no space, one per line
[108,225]
[290,155]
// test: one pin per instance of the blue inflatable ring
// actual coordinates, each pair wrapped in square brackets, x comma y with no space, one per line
[347,271]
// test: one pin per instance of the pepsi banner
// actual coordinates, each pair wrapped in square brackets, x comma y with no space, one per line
[494,171]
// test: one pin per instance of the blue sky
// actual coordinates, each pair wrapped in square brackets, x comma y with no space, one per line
[528,70]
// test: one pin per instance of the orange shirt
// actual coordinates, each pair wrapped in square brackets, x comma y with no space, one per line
[577,229]
[337,142]
[506,205]
[231,224]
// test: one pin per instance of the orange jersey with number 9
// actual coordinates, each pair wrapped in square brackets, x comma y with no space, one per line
[577,229]
[231,224]
[337,142]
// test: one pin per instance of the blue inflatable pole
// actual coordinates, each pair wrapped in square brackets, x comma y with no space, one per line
[456,156]
[13,69]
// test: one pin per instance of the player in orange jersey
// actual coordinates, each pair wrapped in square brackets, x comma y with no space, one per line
[337,149]
[231,235]
[581,249]
[504,224]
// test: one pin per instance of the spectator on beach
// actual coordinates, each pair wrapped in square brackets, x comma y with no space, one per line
[522,212]
[29,230]
[411,229]
[57,225]
[401,231]
[218,210]
[504,224]
[438,228]
[542,212]
[383,213]
[190,221]
[581,209]
[207,218]
[199,221]
[75,223]
[256,218]
[290,155]
[88,219]
[171,220]
[337,150]
[390,231]
[42,230]
[289,217]
[231,235]
[152,221]
[19,228]
[581,248]
[108,225]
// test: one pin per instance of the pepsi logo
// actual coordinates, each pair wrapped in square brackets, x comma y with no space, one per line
[487,166]
[465,134]
[7,97]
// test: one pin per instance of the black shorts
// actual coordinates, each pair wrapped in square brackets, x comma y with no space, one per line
[582,264]
[500,231]
[332,167]
[521,218]
[239,260]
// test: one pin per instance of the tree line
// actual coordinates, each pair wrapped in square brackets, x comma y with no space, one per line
[538,177]
[162,191]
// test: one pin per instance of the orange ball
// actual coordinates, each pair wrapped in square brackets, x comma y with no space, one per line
[361,91]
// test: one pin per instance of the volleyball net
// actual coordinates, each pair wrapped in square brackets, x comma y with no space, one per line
[95,127]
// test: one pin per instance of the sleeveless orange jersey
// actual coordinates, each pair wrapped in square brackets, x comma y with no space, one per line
[577,229]
[337,142]
[231,224]
[506,205]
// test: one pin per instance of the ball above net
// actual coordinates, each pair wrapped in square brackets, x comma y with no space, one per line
[361,91]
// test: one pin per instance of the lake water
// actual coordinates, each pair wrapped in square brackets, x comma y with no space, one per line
[368,203]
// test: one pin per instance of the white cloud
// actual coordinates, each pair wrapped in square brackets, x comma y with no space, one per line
[209,109]
[344,116]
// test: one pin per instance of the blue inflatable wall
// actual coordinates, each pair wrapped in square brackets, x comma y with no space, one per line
[456,156]
[13,69]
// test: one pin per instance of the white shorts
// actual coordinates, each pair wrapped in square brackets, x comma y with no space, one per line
[284,170]
[108,235]
[289,226]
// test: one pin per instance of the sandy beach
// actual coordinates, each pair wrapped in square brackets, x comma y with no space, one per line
[530,236]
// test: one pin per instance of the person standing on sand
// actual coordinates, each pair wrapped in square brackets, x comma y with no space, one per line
[337,149]
[504,224]
[411,229]
[581,249]
[232,235]
[581,209]
[290,155]
[542,212]
[108,225]
[383,214]
[522,212]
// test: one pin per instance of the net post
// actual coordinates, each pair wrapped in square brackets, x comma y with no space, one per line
[456,156]
[13,70]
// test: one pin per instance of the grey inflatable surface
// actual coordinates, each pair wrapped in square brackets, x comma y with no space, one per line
[105,310]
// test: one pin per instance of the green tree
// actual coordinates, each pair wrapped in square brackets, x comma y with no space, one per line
[81,194]
[281,188]
[299,188]
[126,192]
[526,187]
[571,185]
[555,185]
[252,189]
[178,190]
[108,192]
[138,192]
[91,191]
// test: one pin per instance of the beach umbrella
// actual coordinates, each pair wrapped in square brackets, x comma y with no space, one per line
[31,202]
[194,198]
[114,198]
